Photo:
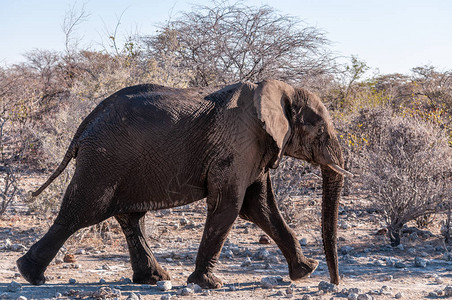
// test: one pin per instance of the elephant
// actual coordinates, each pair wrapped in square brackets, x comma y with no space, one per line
[150,147]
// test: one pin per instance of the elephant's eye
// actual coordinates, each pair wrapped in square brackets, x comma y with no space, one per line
[320,130]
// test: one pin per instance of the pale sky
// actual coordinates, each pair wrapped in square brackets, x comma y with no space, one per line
[390,35]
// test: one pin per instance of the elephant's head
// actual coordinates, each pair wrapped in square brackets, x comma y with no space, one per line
[301,127]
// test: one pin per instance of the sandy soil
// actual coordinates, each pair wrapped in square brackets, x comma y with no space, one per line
[366,261]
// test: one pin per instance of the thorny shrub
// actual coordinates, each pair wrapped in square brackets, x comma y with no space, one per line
[406,165]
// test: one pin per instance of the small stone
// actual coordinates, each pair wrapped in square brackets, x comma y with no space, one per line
[346,249]
[433,294]
[228,254]
[342,224]
[400,247]
[411,251]
[246,263]
[364,297]
[58,295]
[399,265]
[133,296]
[186,291]
[58,261]
[398,295]
[420,262]
[125,280]
[4,295]
[261,254]
[268,282]
[72,281]
[327,287]
[18,247]
[306,297]
[76,266]
[439,292]
[106,267]
[280,294]
[21,298]
[197,289]
[355,291]
[273,259]
[289,290]
[413,236]
[164,285]
[388,278]
[80,252]
[6,245]
[448,291]
[102,281]
[439,280]
[183,221]
[165,297]
[447,256]
[352,296]
[264,239]
[303,242]
[69,258]
[14,287]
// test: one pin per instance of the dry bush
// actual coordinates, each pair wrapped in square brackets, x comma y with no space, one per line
[406,166]
[294,178]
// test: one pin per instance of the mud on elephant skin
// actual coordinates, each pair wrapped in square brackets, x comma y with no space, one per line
[150,147]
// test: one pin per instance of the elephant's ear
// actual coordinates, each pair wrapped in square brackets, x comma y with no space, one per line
[272,100]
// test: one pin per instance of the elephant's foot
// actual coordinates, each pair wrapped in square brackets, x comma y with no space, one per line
[31,271]
[150,276]
[205,280]
[301,270]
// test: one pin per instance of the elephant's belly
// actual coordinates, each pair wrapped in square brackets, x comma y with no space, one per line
[165,196]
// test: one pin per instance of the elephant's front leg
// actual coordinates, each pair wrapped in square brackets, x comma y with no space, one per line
[145,267]
[223,207]
[259,207]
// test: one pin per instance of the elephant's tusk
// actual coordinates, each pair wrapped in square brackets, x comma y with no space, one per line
[340,170]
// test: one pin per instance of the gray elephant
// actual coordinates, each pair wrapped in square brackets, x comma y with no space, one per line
[150,147]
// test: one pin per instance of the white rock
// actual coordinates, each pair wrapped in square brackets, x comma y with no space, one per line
[327,287]
[133,296]
[352,296]
[268,282]
[448,291]
[439,280]
[186,291]
[420,262]
[164,285]
[196,288]
[21,298]
[18,247]
[246,263]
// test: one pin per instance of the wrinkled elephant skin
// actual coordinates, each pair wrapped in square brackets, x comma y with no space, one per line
[150,147]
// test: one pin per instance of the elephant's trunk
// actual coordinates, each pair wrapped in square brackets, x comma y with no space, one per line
[332,186]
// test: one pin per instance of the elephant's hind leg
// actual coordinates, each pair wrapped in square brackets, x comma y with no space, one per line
[145,267]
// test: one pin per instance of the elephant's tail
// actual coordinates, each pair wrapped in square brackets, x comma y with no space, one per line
[70,153]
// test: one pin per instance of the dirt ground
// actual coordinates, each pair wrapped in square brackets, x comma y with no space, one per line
[420,269]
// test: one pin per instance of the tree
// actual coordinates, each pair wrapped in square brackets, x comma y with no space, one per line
[226,43]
